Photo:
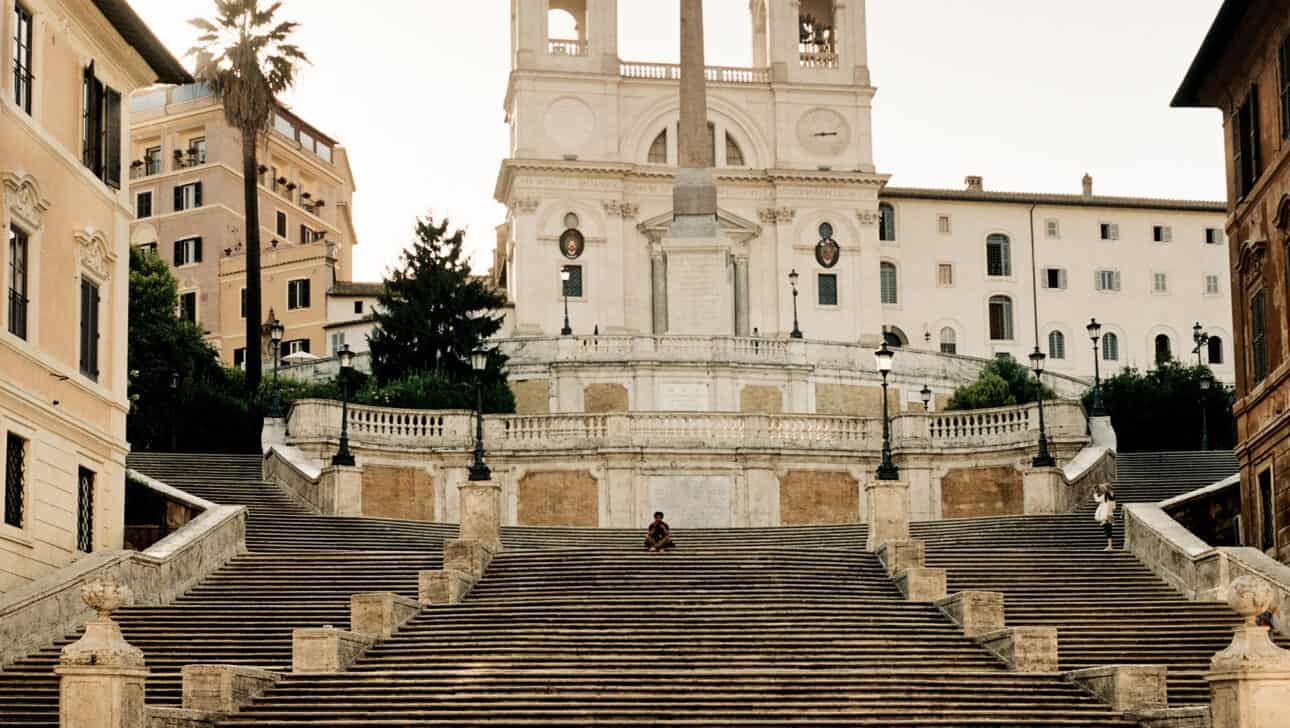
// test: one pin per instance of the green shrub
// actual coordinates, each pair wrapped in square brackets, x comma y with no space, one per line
[1003,382]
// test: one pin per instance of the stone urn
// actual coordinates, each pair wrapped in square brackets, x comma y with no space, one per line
[1252,648]
[103,644]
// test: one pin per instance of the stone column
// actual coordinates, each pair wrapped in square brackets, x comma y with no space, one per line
[101,676]
[742,327]
[481,513]
[1249,681]
[888,509]
[658,281]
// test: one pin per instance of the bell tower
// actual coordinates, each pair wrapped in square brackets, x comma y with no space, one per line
[811,41]
[565,35]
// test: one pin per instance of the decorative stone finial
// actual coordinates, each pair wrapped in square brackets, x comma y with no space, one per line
[1250,596]
[105,596]
[1252,650]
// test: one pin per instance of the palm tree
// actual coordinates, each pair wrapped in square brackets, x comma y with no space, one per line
[245,56]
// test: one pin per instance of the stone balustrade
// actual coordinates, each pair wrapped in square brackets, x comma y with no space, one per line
[319,420]
[672,72]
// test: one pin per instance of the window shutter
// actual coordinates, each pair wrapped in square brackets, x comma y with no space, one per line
[197,250]
[1255,167]
[94,330]
[1061,278]
[85,328]
[179,253]
[179,198]
[197,195]
[112,109]
[304,345]
[1116,277]
[304,295]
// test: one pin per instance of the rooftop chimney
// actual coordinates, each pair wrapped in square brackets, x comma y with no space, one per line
[974,184]
[1088,185]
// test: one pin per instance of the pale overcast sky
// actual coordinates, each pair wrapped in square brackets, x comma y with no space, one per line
[1029,94]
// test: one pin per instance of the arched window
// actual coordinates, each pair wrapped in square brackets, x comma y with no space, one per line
[562,24]
[998,255]
[1110,348]
[658,150]
[1000,318]
[888,284]
[1164,349]
[1056,345]
[894,337]
[1215,350]
[886,222]
[734,155]
[949,341]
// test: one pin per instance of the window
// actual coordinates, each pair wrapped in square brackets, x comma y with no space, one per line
[998,255]
[1215,345]
[1245,143]
[149,248]
[307,235]
[101,129]
[22,58]
[188,251]
[281,227]
[1164,349]
[358,307]
[573,286]
[84,510]
[827,289]
[1056,345]
[658,150]
[1000,318]
[152,161]
[18,253]
[1283,66]
[886,222]
[143,205]
[1052,229]
[1110,231]
[1211,285]
[1266,516]
[1258,345]
[1110,348]
[1213,236]
[197,151]
[337,342]
[945,275]
[1162,233]
[239,357]
[295,346]
[949,341]
[89,329]
[734,155]
[15,480]
[1160,282]
[888,284]
[297,294]
[943,224]
[1055,278]
[1108,280]
[188,196]
[243,308]
[188,307]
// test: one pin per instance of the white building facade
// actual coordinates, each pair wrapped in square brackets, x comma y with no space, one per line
[588,184]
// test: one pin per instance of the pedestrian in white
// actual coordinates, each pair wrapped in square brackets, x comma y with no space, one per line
[1105,513]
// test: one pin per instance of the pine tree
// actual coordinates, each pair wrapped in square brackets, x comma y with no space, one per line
[434,313]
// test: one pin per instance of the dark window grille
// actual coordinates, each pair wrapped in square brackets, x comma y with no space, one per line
[828,289]
[15,477]
[1110,348]
[22,78]
[85,510]
[886,222]
[18,282]
[89,329]
[573,286]
[998,255]
[888,284]
[1164,349]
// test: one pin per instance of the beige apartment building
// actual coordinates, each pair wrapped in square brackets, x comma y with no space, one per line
[186,191]
[66,69]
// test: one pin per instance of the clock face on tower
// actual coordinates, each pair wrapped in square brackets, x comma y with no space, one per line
[823,132]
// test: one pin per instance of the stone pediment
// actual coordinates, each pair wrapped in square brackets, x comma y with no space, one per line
[732,226]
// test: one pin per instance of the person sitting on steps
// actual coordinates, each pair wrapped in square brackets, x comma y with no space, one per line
[659,536]
[1105,513]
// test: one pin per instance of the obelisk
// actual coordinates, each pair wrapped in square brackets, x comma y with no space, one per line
[694,195]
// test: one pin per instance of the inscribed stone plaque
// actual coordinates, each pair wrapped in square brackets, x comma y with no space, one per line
[683,397]
[699,300]
[692,501]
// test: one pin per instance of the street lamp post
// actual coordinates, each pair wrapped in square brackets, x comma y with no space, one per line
[276,332]
[1094,334]
[792,281]
[1205,384]
[479,471]
[174,411]
[564,288]
[887,470]
[926,394]
[343,456]
[1201,337]
[1043,459]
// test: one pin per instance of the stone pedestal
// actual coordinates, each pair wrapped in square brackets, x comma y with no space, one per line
[448,586]
[1025,649]
[1126,688]
[921,584]
[340,490]
[896,556]
[468,557]
[1250,680]
[1042,490]
[326,649]
[977,612]
[101,676]
[223,688]
[481,513]
[888,509]
[379,615]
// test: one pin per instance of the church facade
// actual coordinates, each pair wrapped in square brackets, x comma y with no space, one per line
[811,239]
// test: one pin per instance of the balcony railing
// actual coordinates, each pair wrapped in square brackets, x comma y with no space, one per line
[819,57]
[145,168]
[567,47]
[714,74]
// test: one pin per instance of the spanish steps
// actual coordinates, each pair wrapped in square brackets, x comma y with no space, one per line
[786,626]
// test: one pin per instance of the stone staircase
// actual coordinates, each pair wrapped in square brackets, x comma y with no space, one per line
[714,636]
[1150,477]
